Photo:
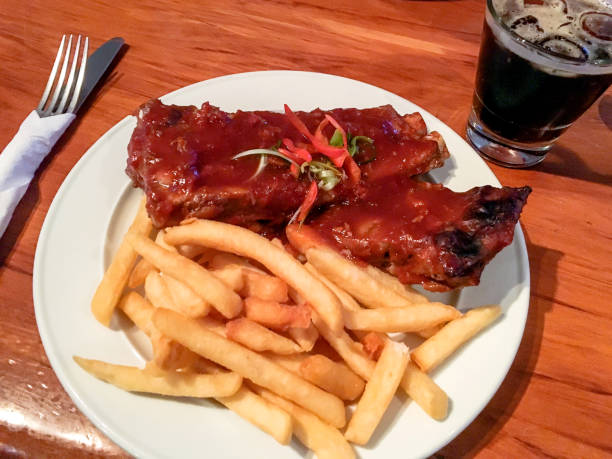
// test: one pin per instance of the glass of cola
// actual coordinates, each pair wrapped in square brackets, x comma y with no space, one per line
[542,64]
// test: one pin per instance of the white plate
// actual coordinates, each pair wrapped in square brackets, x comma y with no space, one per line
[89,214]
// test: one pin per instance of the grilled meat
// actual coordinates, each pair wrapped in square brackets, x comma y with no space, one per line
[183,158]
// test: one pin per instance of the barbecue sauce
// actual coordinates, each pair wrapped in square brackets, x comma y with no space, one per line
[182,157]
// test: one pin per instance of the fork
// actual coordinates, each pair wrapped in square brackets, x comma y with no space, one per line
[43,126]
[63,88]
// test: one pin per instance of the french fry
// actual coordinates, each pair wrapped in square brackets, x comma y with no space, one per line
[267,416]
[264,286]
[347,301]
[373,344]
[425,392]
[382,277]
[278,243]
[185,300]
[332,376]
[202,365]
[213,325]
[251,407]
[230,275]
[394,284]
[405,319]
[115,278]
[453,335]
[243,242]
[170,355]
[167,354]
[326,441]
[139,311]
[259,338]
[191,251]
[172,383]
[296,297]
[305,337]
[157,292]
[154,369]
[378,392]
[417,385]
[159,240]
[420,387]
[194,343]
[206,257]
[429,332]
[139,273]
[207,286]
[291,362]
[350,351]
[276,315]
[248,405]
[367,290]
[249,364]
[223,259]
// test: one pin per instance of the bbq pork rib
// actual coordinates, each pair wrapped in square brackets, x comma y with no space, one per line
[420,232]
[183,158]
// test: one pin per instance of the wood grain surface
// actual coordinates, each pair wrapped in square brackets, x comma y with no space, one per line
[556,400]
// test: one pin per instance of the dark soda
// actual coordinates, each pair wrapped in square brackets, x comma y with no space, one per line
[521,101]
[542,64]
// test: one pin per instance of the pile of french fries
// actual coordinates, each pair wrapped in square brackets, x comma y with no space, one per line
[286,344]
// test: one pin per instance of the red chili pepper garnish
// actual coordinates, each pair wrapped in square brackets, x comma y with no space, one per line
[337,155]
[321,143]
[290,155]
[335,124]
[297,151]
[318,135]
[299,125]
[352,170]
[309,200]
[306,146]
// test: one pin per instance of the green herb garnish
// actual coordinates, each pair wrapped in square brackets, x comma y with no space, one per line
[326,174]
[263,161]
[352,141]
[336,139]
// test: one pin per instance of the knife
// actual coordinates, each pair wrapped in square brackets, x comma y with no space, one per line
[38,134]
[97,65]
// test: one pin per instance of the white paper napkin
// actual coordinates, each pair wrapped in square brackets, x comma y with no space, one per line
[22,156]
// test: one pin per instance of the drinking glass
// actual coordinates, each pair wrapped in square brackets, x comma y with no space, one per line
[528,93]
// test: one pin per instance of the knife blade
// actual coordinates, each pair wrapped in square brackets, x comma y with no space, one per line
[97,65]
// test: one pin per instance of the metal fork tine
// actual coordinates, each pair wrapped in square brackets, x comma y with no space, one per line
[60,81]
[79,83]
[69,84]
[47,91]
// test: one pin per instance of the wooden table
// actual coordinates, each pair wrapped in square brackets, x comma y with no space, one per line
[556,400]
